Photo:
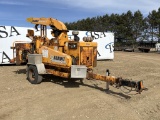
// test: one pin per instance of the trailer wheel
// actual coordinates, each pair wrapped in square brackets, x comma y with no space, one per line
[33,76]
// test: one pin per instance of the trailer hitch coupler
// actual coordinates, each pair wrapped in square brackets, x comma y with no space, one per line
[140,86]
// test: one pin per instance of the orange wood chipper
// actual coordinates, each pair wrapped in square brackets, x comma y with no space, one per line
[60,56]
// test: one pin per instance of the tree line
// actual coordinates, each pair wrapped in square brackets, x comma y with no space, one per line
[126,26]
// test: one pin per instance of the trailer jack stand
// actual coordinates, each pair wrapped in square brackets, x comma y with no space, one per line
[107,83]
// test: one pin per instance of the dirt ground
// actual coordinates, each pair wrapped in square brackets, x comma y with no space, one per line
[53,100]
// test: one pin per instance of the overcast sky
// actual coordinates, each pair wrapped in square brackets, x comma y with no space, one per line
[15,12]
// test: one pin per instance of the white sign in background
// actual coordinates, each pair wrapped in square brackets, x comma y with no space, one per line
[10,34]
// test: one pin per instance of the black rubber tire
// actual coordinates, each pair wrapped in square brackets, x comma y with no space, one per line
[32,75]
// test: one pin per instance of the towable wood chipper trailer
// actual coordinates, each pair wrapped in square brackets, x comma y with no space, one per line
[60,56]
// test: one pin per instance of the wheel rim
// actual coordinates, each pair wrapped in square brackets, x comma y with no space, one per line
[31,75]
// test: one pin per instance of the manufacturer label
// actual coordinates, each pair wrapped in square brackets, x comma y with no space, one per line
[58,59]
